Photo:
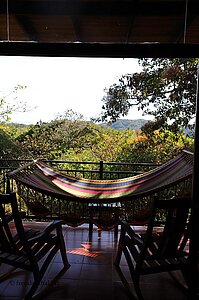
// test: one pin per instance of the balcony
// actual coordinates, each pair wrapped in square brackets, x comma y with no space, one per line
[53,208]
[92,275]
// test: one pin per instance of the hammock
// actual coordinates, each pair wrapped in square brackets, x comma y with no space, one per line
[45,179]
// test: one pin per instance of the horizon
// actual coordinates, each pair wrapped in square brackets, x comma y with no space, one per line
[124,119]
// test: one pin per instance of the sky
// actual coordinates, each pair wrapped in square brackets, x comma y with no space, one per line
[56,84]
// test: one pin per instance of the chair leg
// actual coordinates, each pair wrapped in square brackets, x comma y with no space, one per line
[182,285]
[116,232]
[135,277]
[34,287]
[7,274]
[37,279]
[39,275]
[119,254]
[136,281]
[125,283]
[137,294]
[64,257]
[63,248]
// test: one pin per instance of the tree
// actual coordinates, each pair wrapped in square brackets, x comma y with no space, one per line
[54,139]
[8,132]
[9,148]
[165,89]
[8,106]
[71,138]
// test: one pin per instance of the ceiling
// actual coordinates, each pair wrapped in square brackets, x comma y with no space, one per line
[96,22]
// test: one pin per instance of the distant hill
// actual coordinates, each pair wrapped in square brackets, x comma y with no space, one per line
[123,124]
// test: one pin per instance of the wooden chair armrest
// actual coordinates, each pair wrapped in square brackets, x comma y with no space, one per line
[10,217]
[47,231]
[126,228]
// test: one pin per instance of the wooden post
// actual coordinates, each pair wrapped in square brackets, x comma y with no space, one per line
[194,234]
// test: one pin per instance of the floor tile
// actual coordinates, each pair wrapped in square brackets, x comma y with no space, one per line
[63,289]
[96,272]
[92,275]
[72,273]
[94,290]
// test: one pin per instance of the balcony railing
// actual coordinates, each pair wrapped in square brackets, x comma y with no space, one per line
[75,213]
[92,170]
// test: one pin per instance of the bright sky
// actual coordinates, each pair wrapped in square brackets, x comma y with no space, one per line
[57,84]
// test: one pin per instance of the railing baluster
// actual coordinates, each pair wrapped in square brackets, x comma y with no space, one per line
[101,169]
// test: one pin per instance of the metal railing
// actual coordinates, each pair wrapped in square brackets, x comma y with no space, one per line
[81,169]
[92,170]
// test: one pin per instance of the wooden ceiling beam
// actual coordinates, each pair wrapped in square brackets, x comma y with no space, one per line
[99,50]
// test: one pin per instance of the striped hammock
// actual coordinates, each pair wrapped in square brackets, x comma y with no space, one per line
[41,177]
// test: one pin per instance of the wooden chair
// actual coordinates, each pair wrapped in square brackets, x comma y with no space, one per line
[153,251]
[25,248]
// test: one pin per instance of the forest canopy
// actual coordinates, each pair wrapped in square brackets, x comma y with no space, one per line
[71,138]
[164,89]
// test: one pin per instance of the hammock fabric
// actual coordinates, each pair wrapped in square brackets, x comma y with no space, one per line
[41,177]
[38,209]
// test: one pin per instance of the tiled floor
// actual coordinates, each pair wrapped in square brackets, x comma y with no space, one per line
[91,276]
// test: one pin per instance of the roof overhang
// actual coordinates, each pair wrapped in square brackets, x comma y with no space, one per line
[100,28]
[99,50]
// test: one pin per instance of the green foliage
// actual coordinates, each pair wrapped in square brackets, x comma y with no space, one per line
[8,148]
[54,139]
[8,131]
[166,89]
[13,130]
[10,103]
[157,147]
[71,138]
